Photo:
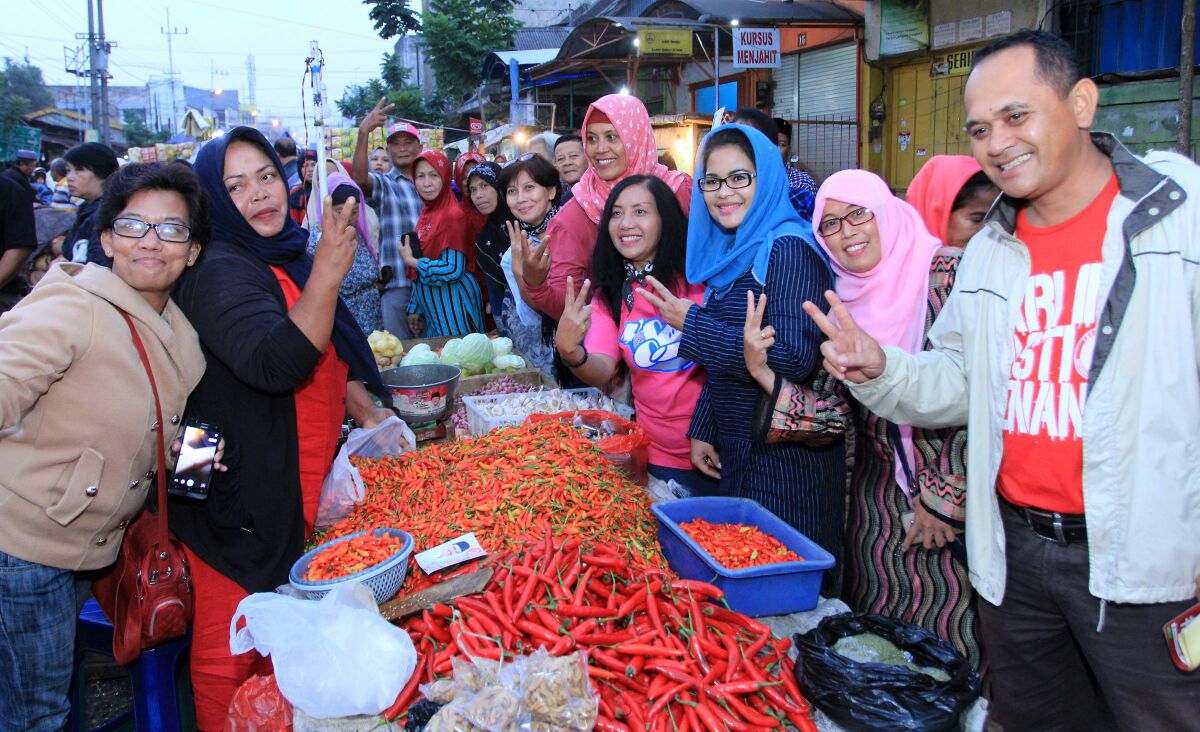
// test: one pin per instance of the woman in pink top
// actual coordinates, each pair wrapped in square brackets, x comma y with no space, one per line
[618,143]
[642,230]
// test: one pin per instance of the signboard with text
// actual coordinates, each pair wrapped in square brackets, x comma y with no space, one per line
[20,138]
[755,48]
[903,26]
[664,42]
[957,63]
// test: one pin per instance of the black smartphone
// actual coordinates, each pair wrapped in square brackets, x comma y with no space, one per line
[414,242]
[194,466]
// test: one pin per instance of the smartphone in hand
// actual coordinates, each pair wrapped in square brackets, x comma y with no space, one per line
[194,466]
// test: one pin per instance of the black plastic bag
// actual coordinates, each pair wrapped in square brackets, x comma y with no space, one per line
[880,696]
[420,714]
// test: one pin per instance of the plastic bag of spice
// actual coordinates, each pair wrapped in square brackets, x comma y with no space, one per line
[927,691]
[624,443]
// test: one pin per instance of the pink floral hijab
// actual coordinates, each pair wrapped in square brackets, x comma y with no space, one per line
[632,121]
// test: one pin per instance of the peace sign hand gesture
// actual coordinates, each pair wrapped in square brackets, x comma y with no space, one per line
[756,340]
[575,322]
[673,309]
[376,118]
[850,353]
[534,263]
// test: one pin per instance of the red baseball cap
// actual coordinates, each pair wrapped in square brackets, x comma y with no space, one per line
[402,127]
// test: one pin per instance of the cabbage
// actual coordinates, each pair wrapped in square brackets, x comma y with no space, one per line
[420,355]
[508,362]
[502,346]
[475,353]
[450,352]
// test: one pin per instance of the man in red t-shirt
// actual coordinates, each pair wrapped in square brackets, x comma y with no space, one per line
[1069,347]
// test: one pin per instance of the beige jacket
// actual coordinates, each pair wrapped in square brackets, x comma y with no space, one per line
[1141,425]
[77,440]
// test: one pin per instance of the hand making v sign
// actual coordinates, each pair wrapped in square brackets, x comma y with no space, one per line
[851,354]
[673,309]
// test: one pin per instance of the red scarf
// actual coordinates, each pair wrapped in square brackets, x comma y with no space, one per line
[441,225]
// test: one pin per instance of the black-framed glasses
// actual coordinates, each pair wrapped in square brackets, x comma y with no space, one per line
[137,229]
[733,181]
[857,217]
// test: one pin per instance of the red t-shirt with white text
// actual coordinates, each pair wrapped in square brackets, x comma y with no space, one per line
[1054,339]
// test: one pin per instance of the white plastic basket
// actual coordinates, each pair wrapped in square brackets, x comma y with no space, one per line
[383,579]
[481,423]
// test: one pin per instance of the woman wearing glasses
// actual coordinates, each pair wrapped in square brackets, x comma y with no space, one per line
[748,241]
[286,363]
[76,421]
[907,497]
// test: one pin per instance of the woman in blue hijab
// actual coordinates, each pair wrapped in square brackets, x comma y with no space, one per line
[747,238]
[286,363]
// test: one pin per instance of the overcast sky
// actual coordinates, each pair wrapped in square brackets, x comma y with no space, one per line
[220,34]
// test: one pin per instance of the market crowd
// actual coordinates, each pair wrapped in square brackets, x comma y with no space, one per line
[1012,347]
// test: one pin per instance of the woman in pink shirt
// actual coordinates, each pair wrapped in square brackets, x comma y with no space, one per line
[643,230]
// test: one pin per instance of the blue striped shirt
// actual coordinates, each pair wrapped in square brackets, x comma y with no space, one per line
[803,486]
[447,295]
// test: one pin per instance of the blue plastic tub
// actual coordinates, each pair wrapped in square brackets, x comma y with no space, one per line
[772,589]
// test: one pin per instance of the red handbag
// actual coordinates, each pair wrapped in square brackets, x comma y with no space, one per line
[147,592]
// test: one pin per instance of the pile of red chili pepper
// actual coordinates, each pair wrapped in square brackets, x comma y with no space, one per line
[737,546]
[661,654]
[351,556]
[507,486]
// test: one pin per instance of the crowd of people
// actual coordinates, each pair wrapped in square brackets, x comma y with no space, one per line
[1012,344]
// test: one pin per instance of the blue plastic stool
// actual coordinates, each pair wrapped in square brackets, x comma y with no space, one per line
[155,702]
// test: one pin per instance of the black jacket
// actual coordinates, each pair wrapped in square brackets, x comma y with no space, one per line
[251,526]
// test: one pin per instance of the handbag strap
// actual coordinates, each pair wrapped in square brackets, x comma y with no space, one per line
[158,431]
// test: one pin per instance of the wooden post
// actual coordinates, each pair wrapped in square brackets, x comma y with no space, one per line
[1187,61]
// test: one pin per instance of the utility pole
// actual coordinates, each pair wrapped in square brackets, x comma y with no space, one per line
[104,48]
[1187,37]
[169,31]
[93,66]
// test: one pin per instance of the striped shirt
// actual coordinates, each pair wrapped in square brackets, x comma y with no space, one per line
[396,201]
[447,296]
[803,486]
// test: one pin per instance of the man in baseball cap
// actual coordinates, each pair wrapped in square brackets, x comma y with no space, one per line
[21,171]
[398,205]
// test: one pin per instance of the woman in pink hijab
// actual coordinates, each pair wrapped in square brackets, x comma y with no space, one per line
[618,143]
[902,556]
[952,194]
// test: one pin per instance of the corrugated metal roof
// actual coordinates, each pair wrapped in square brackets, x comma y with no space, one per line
[528,39]
[794,11]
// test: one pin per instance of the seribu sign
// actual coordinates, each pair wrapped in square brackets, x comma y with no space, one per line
[669,42]
[952,64]
[755,48]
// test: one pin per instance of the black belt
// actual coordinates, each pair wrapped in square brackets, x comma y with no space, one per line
[1060,528]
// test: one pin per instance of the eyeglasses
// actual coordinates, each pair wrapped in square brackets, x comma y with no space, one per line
[137,229]
[857,217]
[733,181]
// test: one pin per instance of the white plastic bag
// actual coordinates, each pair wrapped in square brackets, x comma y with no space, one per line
[343,486]
[333,657]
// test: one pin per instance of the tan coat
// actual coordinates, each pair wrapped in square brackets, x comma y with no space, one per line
[77,440]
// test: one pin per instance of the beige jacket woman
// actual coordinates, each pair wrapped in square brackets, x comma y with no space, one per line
[77,421]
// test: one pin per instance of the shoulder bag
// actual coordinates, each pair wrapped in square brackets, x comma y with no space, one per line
[147,593]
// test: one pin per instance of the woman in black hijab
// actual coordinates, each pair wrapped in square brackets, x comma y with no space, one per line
[286,362]
[88,166]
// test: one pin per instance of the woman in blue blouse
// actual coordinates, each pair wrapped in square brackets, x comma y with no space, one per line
[747,237]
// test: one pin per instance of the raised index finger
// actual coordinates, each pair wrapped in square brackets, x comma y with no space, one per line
[838,309]
[823,322]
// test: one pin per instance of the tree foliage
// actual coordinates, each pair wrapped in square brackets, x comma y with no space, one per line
[458,36]
[22,90]
[393,17]
[137,134]
[393,83]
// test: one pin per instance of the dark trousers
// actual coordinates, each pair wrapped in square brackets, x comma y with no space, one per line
[1042,641]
